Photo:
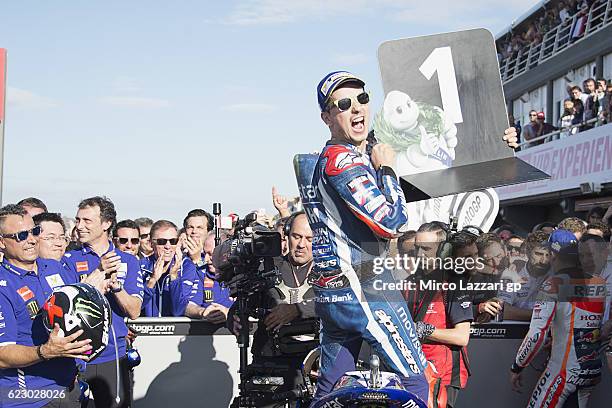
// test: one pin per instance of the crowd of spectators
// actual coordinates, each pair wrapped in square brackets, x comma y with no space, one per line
[551,15]
[583,109]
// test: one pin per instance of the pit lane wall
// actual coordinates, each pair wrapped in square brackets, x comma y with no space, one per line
[580,158]
[189,363]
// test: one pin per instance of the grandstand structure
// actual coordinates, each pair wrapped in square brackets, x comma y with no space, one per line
[538,77]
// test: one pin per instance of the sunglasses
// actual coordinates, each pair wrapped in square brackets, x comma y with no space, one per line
[345,104]
[23,235]
[163,241]
[514,248]
[134,241]
[144,236]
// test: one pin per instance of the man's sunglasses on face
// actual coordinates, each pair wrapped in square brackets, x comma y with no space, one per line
[23,235]
[134,241]
[514,248]
[345,104]
[162,241]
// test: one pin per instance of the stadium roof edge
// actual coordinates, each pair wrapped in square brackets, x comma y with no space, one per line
[522,18]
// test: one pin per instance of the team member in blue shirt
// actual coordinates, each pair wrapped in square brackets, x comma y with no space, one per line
[212,300]
[95,218]
[170,278]
[37,369]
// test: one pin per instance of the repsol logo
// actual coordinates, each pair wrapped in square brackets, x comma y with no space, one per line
[538,389]
[154,329]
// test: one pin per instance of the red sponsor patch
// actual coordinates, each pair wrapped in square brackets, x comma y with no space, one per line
[25,293]
[82,266]
[341,158]
[208,283]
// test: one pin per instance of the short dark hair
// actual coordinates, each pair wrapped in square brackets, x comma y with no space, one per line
[575,87]
[11,209]
[537,239]
[33,202]
[591,237]
[462,240]
[405,237]
[434,226]
[143,222]
[106,206]
[599,226]
[125,224]
[486,240]
[210,221]
[162,224]
[49,217]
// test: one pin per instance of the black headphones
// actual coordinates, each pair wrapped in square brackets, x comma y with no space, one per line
[445,248]
[290,221]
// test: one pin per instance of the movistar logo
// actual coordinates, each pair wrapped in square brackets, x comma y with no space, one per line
[88,308]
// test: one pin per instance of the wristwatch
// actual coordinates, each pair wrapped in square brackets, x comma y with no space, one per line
[119,289]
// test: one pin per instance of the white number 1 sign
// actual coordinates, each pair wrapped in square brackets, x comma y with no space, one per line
[441,60]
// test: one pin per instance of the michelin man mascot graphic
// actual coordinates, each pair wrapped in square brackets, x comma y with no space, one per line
[423,137]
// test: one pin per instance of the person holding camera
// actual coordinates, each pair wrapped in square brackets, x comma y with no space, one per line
[291,302]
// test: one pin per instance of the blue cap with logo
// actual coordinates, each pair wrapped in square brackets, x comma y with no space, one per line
[562,240]
[331,82]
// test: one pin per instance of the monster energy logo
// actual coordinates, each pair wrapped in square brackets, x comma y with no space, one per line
[87,308]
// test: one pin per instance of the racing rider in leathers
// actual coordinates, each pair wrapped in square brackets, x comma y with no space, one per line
[571,310]
[355,205]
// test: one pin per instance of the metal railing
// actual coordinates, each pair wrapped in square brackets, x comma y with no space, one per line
[551,136]
[555,41]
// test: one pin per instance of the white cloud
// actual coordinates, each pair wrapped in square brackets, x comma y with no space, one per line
[135,102]
[250,108]
[125,84]
[350,59]
[254,12]
[23,99]
[282,11]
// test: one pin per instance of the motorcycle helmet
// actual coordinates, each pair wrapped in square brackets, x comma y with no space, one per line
[80,306]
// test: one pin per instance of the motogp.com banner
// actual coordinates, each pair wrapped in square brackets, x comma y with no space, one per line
[580,158]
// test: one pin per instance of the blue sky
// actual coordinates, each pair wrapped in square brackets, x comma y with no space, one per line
[167,106]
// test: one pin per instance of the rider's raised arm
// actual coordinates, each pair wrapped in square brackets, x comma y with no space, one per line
[376,199]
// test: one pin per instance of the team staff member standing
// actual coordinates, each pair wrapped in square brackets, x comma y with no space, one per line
[95,218]
[170,278]
[37,369]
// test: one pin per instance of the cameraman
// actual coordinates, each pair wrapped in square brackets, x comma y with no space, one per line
[291,301]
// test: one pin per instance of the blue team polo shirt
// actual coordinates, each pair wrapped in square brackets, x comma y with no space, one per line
[84,261]
[168,298]
[22,296]
[211,290]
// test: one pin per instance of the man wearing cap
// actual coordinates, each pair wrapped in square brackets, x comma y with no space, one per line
[571,307]
[356,207]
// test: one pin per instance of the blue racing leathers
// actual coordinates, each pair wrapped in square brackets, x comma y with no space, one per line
[353,211]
